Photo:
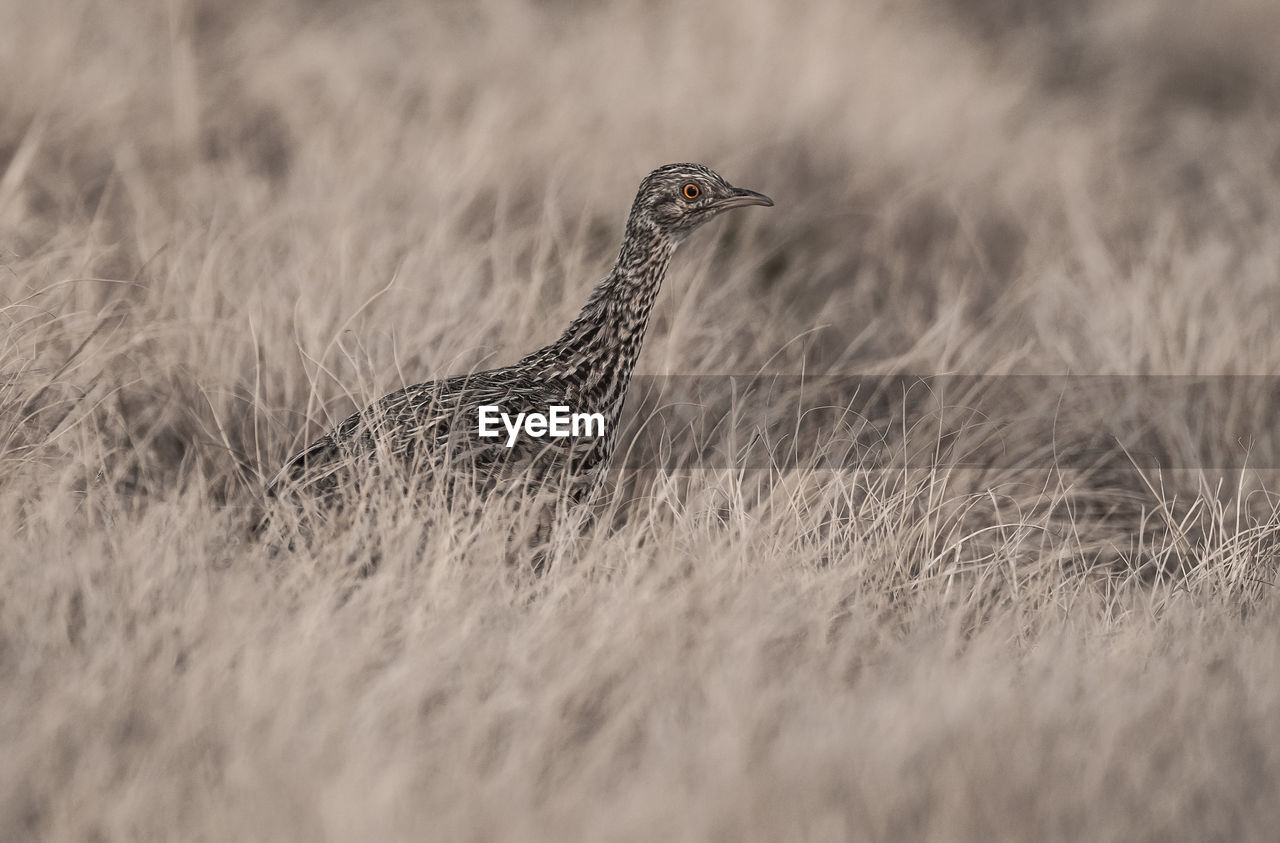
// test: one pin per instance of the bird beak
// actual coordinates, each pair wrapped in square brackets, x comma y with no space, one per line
[742,197]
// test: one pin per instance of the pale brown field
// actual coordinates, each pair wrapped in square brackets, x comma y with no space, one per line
[224,224]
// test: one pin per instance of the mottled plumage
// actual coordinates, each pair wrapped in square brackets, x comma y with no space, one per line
[588,369]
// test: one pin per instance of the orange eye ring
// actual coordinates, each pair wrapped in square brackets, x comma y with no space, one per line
[691,191]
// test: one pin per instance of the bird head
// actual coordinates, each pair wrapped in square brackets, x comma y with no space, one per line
[678,198]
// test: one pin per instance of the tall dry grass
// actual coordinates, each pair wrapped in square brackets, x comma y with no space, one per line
[225,224]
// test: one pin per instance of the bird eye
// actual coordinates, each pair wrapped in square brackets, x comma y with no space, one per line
[691,191]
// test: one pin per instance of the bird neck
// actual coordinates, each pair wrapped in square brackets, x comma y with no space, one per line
[622,302]
[603,342]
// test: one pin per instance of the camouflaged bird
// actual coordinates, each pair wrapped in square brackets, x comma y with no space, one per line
[588,369]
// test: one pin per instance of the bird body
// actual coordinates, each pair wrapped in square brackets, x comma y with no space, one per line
[588,368]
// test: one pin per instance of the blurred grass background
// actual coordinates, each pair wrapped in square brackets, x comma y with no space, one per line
[225,224]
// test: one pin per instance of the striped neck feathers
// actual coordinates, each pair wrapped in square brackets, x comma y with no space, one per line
[608,332]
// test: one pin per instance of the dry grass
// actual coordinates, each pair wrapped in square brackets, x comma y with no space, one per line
[222,224]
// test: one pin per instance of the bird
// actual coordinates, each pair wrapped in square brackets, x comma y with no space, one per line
[437,424]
